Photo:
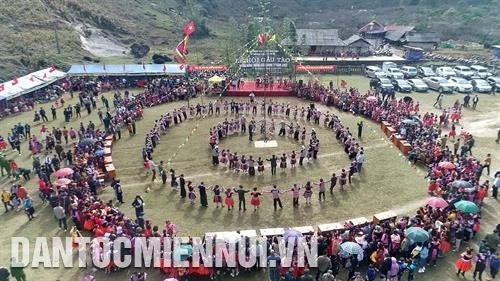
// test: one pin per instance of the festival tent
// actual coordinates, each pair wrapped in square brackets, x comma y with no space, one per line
[29,83]
[126,69]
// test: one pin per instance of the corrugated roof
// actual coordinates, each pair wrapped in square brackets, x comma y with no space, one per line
[429,37]
[398,27]
[353,39]
[319,37]
[397,34]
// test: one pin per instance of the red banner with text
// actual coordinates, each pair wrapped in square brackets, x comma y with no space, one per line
[207,67]
[317,68]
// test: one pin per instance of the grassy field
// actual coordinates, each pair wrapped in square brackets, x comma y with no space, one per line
[388,181]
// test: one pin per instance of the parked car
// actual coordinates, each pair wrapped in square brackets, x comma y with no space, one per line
[463,71]
[418,85]
[461,85]
[401,85]
[388,64]
[386,84]
[480,71]
[439,84]
[380,74]
[445,71]
[494,83]
[395,73]
[409,71]
[481,86]
[370,70]
[425,71]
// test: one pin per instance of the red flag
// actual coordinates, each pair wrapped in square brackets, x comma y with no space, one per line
[181,49]
[189,28]
[15,81]
[2,87]
[44,75]
[164,68]
[32,79]
[52,69]
[181,67]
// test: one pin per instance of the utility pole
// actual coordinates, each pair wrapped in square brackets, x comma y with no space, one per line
[57,38]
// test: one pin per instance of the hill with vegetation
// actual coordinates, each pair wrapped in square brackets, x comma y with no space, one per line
[39,33]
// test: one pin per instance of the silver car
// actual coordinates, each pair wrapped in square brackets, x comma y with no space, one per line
[418,85]
[461,85]
[481,86]
[439,84]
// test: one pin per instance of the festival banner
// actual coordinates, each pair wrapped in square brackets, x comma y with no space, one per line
[318,68]
[208,68]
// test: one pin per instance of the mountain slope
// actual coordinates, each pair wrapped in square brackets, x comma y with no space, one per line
[38,33]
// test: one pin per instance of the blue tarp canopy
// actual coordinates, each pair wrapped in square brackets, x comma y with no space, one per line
[126,69]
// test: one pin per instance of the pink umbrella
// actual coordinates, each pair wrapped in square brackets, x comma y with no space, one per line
[170,279]
[371,98]
[64,172]
[447,165]
[436,202]
[62,182]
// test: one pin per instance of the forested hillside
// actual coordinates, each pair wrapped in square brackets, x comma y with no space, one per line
[38,33]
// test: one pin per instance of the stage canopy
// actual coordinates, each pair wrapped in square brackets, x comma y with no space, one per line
[126,69]
[29,83]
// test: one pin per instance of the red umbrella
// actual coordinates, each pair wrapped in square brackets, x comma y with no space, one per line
[436,202]
[64,172]
[62,182]
[447,165]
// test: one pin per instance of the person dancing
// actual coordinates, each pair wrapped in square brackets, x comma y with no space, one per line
[260,166]
[295,195]
[217,196]
[191,192]
[229,201]
[255,201]
[322,188]
[308,192]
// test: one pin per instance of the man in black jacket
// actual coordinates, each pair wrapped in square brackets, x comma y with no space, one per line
[274,163]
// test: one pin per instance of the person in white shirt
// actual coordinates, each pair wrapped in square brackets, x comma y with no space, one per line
[360,159]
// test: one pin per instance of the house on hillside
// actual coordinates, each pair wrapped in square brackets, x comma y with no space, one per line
[426,41]
[358,45]
[317,41]
[372,30]
[394,33]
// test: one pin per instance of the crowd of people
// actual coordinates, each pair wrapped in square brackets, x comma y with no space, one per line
[386,248]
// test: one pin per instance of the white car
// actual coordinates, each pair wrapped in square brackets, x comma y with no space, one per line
[395,73]
[439,84]
[461,85]
[463,71]
[370,70]
[409,71]
[418,85]
[445,71]
[481,86]
[481,71]
[380,74]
